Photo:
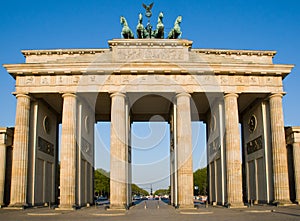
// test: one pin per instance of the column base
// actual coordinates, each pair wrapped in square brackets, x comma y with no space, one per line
[67,207]
[17,206]
[186,207]
[235,205]
[117,207]
[282,203]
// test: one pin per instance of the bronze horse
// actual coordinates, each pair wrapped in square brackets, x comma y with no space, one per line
[140,30]
[160,28]
[176,32]
[126,31]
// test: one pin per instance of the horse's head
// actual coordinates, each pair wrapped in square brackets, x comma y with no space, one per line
[140,17]
[122,20]
[161,15]
[179,19]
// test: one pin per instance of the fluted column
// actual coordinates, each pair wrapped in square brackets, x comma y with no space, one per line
[233,152]
[185,186]
[20,152]
[118,150]
[296,154]
[2,168]
[280,169]
[68,153]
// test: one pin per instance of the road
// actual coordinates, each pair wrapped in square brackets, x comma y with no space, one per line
[155,211]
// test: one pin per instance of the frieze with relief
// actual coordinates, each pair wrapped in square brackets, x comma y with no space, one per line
[170,54]
[133,79]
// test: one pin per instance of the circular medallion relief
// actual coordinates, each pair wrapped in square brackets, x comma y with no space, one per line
[252,123]
[87,124]
[46,124]
[213,123]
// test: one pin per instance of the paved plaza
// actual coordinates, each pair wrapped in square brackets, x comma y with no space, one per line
[156,210]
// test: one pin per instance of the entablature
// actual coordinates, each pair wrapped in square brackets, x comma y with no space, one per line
[148,68]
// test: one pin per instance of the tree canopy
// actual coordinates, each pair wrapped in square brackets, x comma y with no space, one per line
[200,181]
[138,191]
[102,182]
[162,192]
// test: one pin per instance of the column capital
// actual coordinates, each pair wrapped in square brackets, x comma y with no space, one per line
[121,94]
[23,95]
[276,95]
[183,94]
[69,95]
[231,95]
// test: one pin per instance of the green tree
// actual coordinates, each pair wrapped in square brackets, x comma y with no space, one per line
[102,182]
[162,192]
[200,180]
[138,191]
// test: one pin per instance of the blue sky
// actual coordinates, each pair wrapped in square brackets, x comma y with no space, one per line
[235,24]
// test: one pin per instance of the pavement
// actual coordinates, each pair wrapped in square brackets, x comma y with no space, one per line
[155,211]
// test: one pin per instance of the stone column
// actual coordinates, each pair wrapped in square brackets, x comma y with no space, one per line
[68,153]
[20,153]
[118,151]
[233,152]
[296,154]
[184,151]
[2,168]
[280,169]
[172,163]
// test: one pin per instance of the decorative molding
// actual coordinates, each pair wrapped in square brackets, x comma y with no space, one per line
[178,67]
[150,42]
[235,52]
[64,52]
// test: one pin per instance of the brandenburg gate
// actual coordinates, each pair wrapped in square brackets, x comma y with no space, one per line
[237,93]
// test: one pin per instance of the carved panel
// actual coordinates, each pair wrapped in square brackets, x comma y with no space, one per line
[270,80]
[239,80]
[254,145]
[224,80]
[29,80]
[150,54]
[45,80]
[254,80]
[45,146]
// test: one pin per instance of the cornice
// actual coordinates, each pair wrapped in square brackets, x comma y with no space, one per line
[150,42]
[63,51]
[143,68]
[235,52]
